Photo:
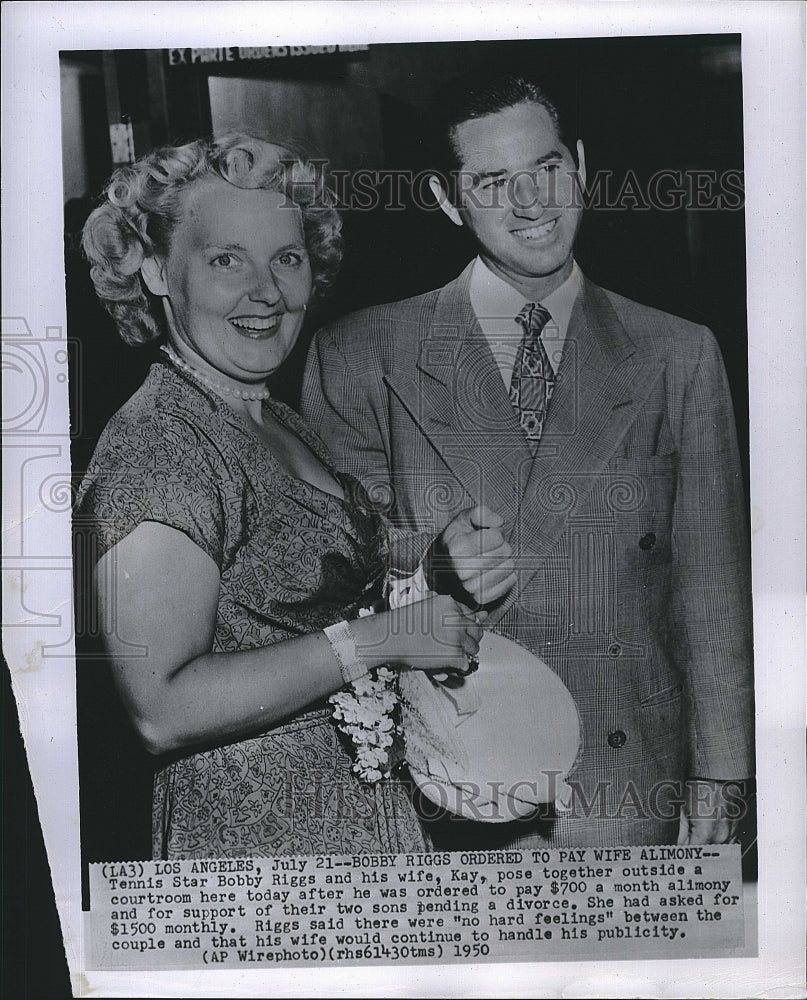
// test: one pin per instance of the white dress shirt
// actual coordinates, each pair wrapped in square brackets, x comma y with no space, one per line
[497,304]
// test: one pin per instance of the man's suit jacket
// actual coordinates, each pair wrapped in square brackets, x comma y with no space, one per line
[628,526]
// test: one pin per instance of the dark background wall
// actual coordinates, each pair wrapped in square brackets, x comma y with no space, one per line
[641,105]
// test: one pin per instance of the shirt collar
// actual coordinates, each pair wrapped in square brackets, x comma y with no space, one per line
[496,304]
[493,298]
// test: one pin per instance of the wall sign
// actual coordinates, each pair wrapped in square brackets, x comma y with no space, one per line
[246,53]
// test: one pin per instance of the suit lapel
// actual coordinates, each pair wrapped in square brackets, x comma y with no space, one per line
[601,387]
[460,403]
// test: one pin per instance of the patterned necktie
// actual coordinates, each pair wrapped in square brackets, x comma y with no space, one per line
[533,378]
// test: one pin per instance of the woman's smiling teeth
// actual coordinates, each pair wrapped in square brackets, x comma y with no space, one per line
[536,232]
[255,326]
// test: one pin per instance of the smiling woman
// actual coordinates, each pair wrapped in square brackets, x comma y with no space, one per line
[236,281]
[231,555]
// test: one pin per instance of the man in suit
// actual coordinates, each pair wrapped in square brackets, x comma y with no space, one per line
[602,432]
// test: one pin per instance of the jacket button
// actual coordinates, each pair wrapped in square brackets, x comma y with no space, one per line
[614,649]
[647,541]
[617,739]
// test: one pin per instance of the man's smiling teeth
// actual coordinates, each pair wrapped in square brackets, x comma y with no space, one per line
[256,324]
[536,232]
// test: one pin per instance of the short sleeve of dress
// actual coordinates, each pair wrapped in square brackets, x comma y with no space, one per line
[155,466]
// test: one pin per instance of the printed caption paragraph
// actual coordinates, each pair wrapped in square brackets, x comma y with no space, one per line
[530,905]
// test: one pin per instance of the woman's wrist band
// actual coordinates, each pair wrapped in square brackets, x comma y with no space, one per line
[343,646]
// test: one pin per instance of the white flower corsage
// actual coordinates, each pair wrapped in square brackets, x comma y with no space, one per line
[366,712]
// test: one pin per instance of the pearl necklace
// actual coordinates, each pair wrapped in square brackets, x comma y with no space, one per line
[212,383]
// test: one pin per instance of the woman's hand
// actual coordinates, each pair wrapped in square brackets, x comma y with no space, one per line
[438,634]
[157,595]
[473,549]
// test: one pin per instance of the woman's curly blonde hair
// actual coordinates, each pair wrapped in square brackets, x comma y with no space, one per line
[143,205]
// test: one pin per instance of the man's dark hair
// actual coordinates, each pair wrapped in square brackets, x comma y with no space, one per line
[472,97]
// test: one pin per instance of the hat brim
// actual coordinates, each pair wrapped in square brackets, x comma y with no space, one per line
[496,746]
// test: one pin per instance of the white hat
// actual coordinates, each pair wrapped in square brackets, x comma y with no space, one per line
[496,745]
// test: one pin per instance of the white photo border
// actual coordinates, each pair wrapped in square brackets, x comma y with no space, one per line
[33,288]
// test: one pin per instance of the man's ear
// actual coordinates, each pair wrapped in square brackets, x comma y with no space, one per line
[441,196]
[581,160]
[153,272]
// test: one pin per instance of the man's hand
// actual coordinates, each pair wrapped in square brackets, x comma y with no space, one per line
[473,550]
[711,813]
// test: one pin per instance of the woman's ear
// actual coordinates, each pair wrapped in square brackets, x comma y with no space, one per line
[153,272]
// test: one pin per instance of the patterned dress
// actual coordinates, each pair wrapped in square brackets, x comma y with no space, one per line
[293,559]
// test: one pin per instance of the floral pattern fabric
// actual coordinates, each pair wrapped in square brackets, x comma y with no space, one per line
[292,560]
